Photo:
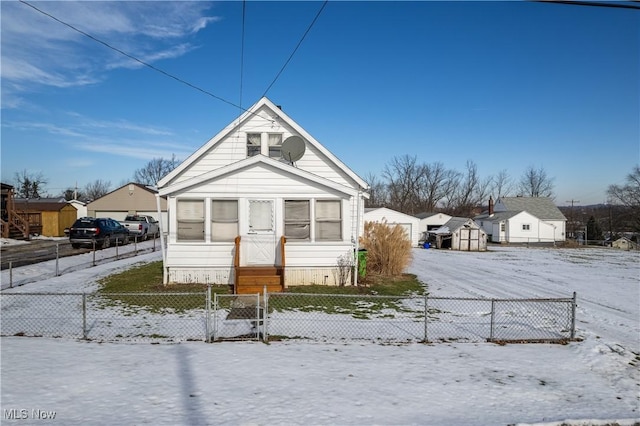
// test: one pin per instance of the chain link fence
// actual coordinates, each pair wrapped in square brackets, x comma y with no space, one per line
[210,317]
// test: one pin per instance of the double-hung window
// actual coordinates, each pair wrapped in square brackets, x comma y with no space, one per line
[275,145]
[190,216]
[526,227]
[297,219]
[328,220]
[253,144]
[224,220]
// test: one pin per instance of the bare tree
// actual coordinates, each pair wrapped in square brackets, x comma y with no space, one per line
[30,185]
[402,175]
[501,184]
[536,183]
[378,196]
[96,189]
[629,196]
[470,191]
[155,170]
[435,185]
[629,193]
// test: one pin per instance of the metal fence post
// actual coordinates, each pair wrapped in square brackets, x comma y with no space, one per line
[493,317]
[116,248]
[10,274]
[215,317]
[57,259]
[426,319]
[265,316]
[84,316]
[208,318]
[94,253]
[573,316]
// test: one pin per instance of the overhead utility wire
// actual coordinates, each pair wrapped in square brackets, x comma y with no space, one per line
[294,50]
[136,59]
[593,3]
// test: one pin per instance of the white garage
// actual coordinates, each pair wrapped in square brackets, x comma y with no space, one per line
[392,217]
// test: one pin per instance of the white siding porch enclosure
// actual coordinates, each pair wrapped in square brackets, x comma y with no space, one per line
[237,185]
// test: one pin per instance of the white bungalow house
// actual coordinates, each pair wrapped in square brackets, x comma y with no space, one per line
[523,220]
[410,224]
[261,203]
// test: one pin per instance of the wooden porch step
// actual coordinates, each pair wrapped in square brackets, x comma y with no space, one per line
[255,284]
[258,270]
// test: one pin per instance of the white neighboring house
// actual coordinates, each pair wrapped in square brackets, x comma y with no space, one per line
[431,222]
[410,224]
[523,220]
[262,193]
[80,206]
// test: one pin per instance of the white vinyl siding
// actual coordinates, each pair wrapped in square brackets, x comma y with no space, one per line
[190,220]
[224,220]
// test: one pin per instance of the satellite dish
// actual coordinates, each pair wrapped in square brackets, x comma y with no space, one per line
[293,148]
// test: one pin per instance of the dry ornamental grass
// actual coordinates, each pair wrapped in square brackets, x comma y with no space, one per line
[388,248]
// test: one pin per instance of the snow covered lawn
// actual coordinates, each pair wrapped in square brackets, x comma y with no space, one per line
[593,381]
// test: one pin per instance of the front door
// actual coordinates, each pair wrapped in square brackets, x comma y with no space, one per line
[260,247]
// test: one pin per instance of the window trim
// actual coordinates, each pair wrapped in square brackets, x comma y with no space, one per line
[317,221]
[309,221]
[203,221]
[211,219]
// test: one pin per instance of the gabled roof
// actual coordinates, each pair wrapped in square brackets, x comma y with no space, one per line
[389,211]
[425,215]
[43,206]
[235,124]
[497,216]
[454,224]
[541,207]
[252,161]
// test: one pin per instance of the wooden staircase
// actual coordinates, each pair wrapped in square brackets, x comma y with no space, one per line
[253,279]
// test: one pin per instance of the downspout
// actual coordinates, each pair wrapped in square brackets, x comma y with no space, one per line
[357,240]
[165,277]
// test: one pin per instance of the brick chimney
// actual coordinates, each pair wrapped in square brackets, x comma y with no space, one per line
[490,205]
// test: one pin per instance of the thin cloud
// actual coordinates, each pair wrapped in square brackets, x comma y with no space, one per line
[38,51]
[132,150]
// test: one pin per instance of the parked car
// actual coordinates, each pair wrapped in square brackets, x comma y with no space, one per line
[103,232]
[141,226]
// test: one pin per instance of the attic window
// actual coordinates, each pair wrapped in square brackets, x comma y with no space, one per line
[253,144]
[275,145]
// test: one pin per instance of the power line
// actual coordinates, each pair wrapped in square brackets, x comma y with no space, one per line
[624,5]
[296,48]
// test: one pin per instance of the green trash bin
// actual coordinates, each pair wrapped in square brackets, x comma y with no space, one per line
[362,263]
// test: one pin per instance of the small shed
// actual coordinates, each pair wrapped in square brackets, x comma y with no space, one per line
[54,216]
[460,233]
[624,243]
[410,224]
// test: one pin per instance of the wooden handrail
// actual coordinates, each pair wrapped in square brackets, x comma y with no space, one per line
[236,255]
[283,240]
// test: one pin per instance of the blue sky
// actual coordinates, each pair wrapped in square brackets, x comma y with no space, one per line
[508,85]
